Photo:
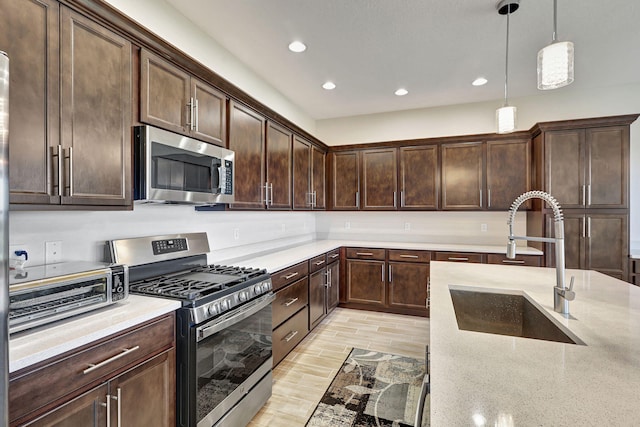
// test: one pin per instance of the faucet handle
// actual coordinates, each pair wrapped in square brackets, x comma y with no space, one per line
[573,278]
[568,294]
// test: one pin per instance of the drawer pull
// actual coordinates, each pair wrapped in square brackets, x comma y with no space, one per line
[290,301]
[512,261]
[319,262]
[364,253]
[290,336]
[289,276]
[334,256]
[455,258]
[92,367]
[409,256]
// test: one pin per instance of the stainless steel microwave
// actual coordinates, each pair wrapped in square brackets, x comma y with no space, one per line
[174,168]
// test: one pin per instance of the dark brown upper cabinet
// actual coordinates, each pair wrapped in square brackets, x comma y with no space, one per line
[345,180]
[379,179]
[308,175]
[70,141]
[419,178]
[174,100]
[588,168]
[508,172]
[463,176]
[247,140]
[279,168]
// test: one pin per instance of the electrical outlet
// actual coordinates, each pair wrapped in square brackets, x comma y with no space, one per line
[236,233]
[483,227]
[52,252]
[407,226]
[347,225]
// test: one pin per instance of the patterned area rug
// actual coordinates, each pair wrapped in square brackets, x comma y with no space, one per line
[372,389]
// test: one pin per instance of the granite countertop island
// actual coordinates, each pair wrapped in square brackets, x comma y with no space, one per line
[482,379]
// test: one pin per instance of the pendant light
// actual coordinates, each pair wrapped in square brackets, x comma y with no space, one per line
[506,116]
[555,61]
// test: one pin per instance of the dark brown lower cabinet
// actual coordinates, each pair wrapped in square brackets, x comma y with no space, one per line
[317,297]
[408,285]
[289,334]
[366,282]
[333,291]
[593,241]
[634,271]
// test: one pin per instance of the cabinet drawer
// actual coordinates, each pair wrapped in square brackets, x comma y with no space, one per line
[459,257]
[289,275]
[365,253]
[528,260]
[289,334]
[289,300]
[76,371]
[409,256]
[316,263]
[333,255]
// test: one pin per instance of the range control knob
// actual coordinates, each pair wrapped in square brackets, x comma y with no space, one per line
[214,309]
[257,289]
[224,305]
[242,296]
[266,286]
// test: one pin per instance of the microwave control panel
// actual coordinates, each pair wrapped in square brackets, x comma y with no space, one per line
[226,178]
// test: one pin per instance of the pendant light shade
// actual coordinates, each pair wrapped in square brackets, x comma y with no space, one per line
[555,61]
[506,119]
[506,116]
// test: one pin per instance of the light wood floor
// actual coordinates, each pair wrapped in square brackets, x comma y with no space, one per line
[302,377]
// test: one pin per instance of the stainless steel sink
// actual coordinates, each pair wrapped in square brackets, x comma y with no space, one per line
[506,314]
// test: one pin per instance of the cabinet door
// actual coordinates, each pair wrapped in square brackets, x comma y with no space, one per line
[317,297]
[508,165]
[462,175]
[607,246]
[301,173]
[164,93]
[87,410]
[152,383]
[247,139]
[565,166]
[574,243]
[210,113]
[95,112]
[408,285]
[333,292]
[318,177]
[279,160]
[345,180]
[29,35]
[366,282]
[419,177]
[608,167]
[379,179]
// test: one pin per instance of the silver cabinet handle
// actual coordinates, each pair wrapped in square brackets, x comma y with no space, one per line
[117,398]
[334,256]
[189,107]
[454,258]
[364,253]
[390,274]
[584,227]
[57,154]
[290,301]
[92,367]
[319,262]
[488,197]
[589,194]
[394,199]
[481,197]
[315,199]
[271,191]
[512,261]
[584,195]
[358,199]
[289,276]
[409,256]
[329,279]
[108,405]
[382,269]
[402,199]
[290,336]
[195,115]
[428,286]
[70,183]
[589,227]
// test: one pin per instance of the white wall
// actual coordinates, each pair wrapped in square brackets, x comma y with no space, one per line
[561,104]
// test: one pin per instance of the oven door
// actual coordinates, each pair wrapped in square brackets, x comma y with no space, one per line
[233,356]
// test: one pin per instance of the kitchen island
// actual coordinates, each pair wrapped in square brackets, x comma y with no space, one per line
[483,379]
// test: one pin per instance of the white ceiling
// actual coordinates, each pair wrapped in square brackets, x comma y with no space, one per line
[433,48]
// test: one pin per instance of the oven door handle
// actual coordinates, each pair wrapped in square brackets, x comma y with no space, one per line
[232,318]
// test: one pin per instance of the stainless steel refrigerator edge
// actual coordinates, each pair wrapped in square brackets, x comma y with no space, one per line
[4,238]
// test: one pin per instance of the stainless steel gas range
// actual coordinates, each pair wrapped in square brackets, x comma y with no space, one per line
[223,331]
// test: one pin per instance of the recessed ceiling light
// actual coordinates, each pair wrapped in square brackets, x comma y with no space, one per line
[401,92]
[297,47]
[329,85]
[480,81]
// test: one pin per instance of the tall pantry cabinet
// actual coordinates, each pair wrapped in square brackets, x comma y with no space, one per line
[584,164]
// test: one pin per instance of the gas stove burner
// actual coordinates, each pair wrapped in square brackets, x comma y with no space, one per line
[244,272]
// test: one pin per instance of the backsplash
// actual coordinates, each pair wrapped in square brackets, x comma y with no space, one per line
[233,234]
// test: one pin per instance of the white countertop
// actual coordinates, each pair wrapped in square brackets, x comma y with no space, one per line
[279,259]
[481,379]
[36,345]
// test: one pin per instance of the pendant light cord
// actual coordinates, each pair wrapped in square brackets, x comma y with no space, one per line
[555,21]
[506,62]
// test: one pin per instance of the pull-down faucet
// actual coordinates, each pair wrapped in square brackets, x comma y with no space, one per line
[561,294]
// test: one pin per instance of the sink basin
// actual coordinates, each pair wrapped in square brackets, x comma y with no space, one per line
[511,314]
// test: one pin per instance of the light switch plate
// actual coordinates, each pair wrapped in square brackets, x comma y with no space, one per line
[52,252]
